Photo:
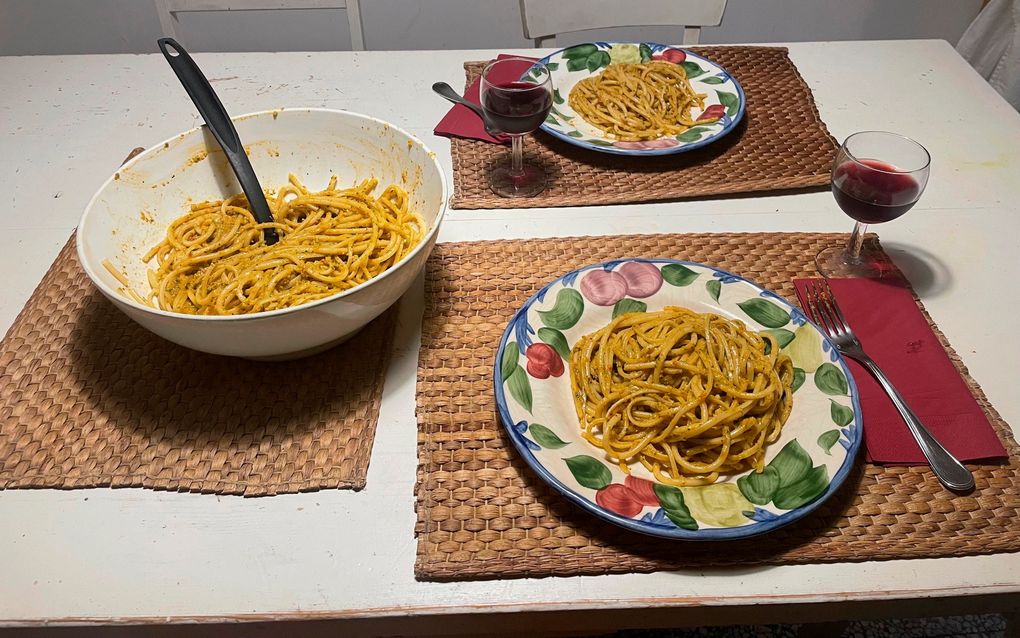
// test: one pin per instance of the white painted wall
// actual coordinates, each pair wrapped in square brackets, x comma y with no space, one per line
[131,26]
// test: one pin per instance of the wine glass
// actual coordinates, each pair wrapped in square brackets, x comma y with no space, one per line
[876,177]
[516,106]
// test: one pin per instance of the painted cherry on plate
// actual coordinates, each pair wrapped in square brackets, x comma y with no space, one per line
[544,361]
[713,112]
[604,287]
[676,56]
[617,498]
[641,489]
[643,279]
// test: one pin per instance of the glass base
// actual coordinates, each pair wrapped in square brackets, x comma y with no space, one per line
[835,262]
[530,182]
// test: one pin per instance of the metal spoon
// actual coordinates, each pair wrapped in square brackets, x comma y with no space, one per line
[446,91]
[218,121]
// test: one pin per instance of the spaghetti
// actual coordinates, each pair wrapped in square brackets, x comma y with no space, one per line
[691,396]
[214,260]
[637,102]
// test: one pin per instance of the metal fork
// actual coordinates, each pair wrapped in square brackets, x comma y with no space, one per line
[825,311]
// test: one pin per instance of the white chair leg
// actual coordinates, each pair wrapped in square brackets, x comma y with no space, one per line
[356,26]
[166,19]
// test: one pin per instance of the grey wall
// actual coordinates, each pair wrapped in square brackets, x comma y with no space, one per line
[131,26]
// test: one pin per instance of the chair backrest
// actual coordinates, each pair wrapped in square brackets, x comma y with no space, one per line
[168,10]
[544,19]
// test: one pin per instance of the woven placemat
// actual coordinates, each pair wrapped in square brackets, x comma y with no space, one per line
[88,399]
[483,513]
[782,143]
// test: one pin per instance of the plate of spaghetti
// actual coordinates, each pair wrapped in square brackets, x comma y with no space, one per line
[677,399]
[640,98]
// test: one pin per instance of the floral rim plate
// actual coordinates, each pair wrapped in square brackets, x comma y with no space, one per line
[725,97]
[820,440]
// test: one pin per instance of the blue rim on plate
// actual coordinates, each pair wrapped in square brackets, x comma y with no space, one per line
[762,521]
[561,124]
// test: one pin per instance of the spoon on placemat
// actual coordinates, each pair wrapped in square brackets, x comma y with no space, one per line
[218,121]
[446,91]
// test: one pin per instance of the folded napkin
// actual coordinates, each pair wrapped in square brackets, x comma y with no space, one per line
[890,326]
[461,121]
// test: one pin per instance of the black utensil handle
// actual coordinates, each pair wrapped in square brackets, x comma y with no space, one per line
[218,121]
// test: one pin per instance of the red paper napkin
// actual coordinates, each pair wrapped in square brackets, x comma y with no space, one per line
[461,121]
[896,335]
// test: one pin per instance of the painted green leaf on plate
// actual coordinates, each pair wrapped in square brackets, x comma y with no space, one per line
[507,365]
[792,463]
[713,80]
[575,134]
[646,52]
[798,378]
[589,471]
[730,101]
[692,134]
[827,439]
[830,380]
[841,414]
[598,60]
[765,312]
[678,274]
[552,66]
[565,312]
[692,69]
[557,97]
[672,501]
[580,51]
[520,387]
[555,338]
[759,487]
[546,437]
[628,305]
[714,287]
[577,64]
[599,142]
[809,487]
[782,335]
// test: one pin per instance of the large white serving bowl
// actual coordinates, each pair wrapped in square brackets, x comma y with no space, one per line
[131,211]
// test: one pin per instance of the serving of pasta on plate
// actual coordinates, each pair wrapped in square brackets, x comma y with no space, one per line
[640,98]
[676,399]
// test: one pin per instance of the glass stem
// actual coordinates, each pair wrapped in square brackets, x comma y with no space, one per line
[517,156]
[853,248]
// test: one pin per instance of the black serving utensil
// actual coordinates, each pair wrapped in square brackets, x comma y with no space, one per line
[218,121]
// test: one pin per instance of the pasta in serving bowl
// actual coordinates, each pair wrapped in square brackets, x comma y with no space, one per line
[640,98]
[357,203]
[676,399]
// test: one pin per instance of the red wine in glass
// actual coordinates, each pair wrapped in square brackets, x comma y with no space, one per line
[517,107]
[876,177]
[872,191]
[516,95]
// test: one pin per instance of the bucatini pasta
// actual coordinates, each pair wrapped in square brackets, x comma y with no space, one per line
[214,260]
[637,102]
[690,396]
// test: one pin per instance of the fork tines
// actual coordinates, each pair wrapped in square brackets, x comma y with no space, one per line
[824,310]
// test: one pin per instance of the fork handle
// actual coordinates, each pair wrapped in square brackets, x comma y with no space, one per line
[947,467]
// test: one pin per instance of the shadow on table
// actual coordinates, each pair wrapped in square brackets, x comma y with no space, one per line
[927,272]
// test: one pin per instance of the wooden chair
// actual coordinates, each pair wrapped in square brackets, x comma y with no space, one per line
[168,10]
[544,19]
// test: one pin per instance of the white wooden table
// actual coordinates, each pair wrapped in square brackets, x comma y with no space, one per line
[133,555]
